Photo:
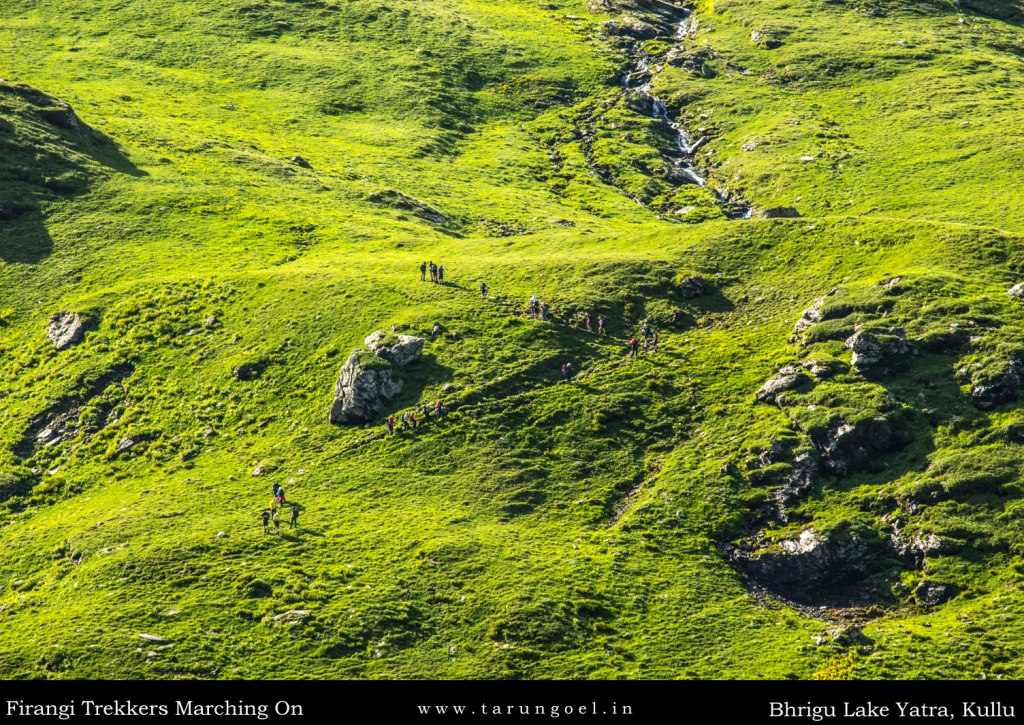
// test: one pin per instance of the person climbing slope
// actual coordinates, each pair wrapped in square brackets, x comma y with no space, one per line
[277,522]
[423,272]
[265,517]
[484,289]
[294,521]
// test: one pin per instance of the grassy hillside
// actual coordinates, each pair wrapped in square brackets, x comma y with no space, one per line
[216,185]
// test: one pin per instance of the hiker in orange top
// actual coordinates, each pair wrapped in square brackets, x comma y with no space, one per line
[390,423]
[634,347]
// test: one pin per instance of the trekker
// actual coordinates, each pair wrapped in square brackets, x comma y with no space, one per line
[412,419]
[566,370]
[277,522]
[544,310]
[440,274]
[654,341]
[436,330]
[294,521]
[265,517]
[601,324]
[484,289]
[587,321]
[390,423]
[634,347]
[423,272]
[439,410]
[534,306]
[278,494]
[433,272]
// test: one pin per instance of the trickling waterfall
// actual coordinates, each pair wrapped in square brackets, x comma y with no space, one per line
[637,80]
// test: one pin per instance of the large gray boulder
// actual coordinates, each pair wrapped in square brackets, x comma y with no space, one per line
[365,384]
[369,379]
[398,349]
[1017,291]
[66,329]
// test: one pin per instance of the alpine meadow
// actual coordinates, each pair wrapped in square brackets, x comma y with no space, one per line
[723,377]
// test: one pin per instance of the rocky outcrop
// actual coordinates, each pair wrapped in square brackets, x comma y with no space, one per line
[788,377]
[66,329]
[799,568]
[849,447]
[811,316]
[876,352]
[988,391]
[369,379]
[1017,291]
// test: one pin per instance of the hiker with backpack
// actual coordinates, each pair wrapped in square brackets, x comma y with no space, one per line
[423,272]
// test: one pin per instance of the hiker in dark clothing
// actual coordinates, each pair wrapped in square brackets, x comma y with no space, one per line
[278,494]
[423,272]
[440,274]
[436,330]
[265,517]
[534,307]
[566,370]
[439,410]
[277,522]
[601,324]
[390,424]
[294,521]
[634,347]
[484,289]
[433,272]
[587,321]
[544,310]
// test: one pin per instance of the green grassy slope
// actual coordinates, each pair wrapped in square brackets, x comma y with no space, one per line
[544,528]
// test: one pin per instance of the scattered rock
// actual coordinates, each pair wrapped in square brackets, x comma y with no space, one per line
[804,475]
[933,593]
[299,161]
[292,617]
[876,352]
[66,329]
[788,377]
[811,316]
[1017,291]
[693,286]
[824,369]
[156,639]
[765,39]
[398,349]
[995,389]
[849,636]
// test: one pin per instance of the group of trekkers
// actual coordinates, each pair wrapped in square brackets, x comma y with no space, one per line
[538,310]
[436,272]
[269,516]
[411,421]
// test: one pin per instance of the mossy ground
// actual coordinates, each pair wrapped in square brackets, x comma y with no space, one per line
[544,528]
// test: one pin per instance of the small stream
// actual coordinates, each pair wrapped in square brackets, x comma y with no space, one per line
[637,80]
